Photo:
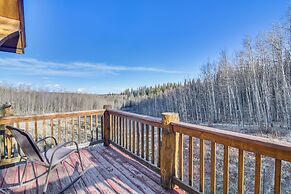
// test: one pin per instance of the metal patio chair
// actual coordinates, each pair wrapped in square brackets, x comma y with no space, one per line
[50,158]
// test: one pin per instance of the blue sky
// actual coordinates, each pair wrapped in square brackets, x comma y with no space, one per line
[107,46]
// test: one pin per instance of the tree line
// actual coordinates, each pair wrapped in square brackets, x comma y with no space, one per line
[26,100]
[253,86]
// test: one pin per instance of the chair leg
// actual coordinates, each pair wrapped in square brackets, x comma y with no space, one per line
[47,179]
[23,173]
[34,172]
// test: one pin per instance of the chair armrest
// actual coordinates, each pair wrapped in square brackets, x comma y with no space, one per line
[48,137]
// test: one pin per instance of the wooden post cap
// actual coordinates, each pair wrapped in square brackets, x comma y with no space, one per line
[107,106]
[168,117]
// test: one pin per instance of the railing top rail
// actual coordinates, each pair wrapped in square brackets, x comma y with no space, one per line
[27,118]
[245,142]
[154,121]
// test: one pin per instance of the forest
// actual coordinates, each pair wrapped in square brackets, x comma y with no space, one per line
[251,86]
[26,100]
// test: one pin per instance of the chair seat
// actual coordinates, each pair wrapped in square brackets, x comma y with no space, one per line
[59,155]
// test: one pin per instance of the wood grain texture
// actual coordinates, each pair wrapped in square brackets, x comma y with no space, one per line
[169,150]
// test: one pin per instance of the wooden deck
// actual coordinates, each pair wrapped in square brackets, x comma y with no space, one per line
[111,171]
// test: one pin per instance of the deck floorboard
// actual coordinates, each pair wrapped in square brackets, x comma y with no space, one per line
[110,171]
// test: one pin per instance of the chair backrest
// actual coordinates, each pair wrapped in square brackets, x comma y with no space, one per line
[27,144]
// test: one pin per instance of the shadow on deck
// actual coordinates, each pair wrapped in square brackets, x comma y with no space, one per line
[111,171]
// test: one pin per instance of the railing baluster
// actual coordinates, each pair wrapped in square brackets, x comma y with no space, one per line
[190,161]
[278,168]
[147,142]
[35,131]
[138,138]
[66,129]
[91,127]
[181,156]
[130,134]
[133,136]
[258,174]
[123,132]
[225,169]
[142,140]
[26,126]
[85,128]
[116,129]
[159,146]
[113,128]
[241,172]
[96,126]
[153,144]
[73,128]
[202,165]
[79,129]
[126,133]
[102,127]
[120,131]
[213,168]
[44,128]
[59,131]
[52,129]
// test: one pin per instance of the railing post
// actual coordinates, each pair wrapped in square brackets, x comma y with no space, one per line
[107,130]
[5,141]
[169,150]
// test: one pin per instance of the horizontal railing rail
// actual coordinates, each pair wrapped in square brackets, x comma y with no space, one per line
[85,127]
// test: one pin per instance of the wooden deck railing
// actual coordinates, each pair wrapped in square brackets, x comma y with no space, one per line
[137,135]
[177,151]
[82,126]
